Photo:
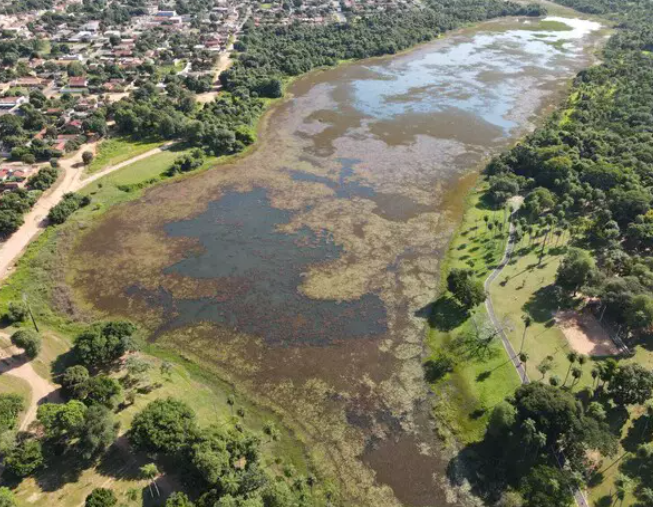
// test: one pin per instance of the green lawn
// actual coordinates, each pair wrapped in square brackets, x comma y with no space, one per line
[118,149]
[481,378]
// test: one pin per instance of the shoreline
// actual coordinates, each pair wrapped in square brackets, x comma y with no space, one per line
[261,128]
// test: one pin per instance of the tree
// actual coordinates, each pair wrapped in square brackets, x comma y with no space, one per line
[179,499]
[7,498]
[137,369]
[571,357]
[87,157]
[639,312]
[576,374]
[151,472]
[547,486]
[28,340]
[575,269]
[10,406]
[74,381]
[465,288]
[632,384]
[102,390]
[101,497]
[165,425]
[527,323]
[501,420]
[61,420]
[102,344]
[24,459]
[99,431]
[545,365]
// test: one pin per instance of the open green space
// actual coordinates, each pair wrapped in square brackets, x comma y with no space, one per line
[116,150]
[481,377]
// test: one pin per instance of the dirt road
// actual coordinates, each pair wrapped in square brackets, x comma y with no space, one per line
[36,220]
[12,363]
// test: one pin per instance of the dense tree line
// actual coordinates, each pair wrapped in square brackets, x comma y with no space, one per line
[589,170]
[266,56]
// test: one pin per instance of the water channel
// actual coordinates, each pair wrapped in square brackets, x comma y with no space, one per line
[302,270]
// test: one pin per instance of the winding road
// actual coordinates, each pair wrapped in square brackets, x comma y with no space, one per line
[579,496]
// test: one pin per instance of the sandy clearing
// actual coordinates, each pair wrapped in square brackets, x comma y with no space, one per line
[585,334]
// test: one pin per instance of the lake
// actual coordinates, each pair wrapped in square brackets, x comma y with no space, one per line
[302,271]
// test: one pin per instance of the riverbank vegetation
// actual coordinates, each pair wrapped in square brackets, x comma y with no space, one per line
[266,57]
[580,275]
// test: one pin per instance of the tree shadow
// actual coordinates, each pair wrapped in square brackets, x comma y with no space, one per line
[639,433]
[121,462]
[62,468]
[542,304]
[11,363]
[61,362]
[443,314]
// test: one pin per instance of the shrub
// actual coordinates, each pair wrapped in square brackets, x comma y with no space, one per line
[10,406]
[28,340]
[101,497]
[25,459]
[17,312]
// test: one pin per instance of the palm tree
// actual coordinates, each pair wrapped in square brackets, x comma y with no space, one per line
[150,472]
[523,357]
[486,218]
[527,323]
[231,401]
[595,376]
[582,359]
[571,357]
[576,373]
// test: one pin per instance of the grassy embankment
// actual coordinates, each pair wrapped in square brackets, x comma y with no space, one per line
[40,275]
[480,378]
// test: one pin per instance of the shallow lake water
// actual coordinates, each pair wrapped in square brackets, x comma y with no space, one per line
[302,270]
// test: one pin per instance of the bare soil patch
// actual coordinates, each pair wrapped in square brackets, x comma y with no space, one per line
[585,334]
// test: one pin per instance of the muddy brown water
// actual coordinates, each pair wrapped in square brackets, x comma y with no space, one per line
[301,270]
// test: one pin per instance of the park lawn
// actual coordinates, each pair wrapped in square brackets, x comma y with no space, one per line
[519,291]
[118,149]
[467,394]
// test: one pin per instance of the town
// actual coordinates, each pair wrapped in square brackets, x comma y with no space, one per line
[66,64]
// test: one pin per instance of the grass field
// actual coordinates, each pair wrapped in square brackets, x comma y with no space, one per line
[480,378]
[466,395]
[116,150]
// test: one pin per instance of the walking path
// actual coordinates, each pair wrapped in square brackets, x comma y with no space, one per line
[579,496]
[12,363]
[36,220]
